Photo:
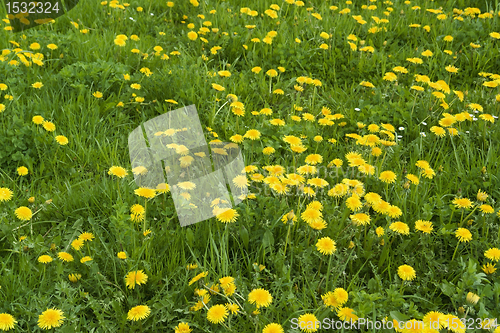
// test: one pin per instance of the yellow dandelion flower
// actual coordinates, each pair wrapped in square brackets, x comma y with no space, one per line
[45,259]
[85,259]
[360,218]
[347,314]
[23,212]
[227,216]
[387,177]
[135,277]
[424,226]
[38,120]
[64,256]
[218,87]
[272,73]
[462,203]
[217,314]
[145,192]
[326,245]
[197,277]
[492,254]
[463,235]
[77,244]
[406,272]
[50,318]
[182,327]
[138,312]
[273,328]
[489,268]
[260,297]
[7,321]
[48,126]
[400,228]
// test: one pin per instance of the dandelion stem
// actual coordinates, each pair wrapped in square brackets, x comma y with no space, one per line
[455,252]
[484,132]
[314,95]
[43,275]
[487,226]
[145,212]
[468,215]
[119,194]
[459,165]
[328,271]
[411,113]
[287,235]
[451,216]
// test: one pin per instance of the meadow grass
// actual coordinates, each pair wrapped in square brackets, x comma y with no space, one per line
[409,87]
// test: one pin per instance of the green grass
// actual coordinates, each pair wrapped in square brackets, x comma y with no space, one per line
[83,197]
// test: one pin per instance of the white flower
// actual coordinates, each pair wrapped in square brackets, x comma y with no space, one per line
[423,134]
[357,109]
[401,128]
[424,123]
[467,132]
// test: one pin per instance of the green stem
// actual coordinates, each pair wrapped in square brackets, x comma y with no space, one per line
[145,216]
[455,252]
[487,227]
[468,215]
[314,95]
[328,271]
[411,113]
[287,235]
[119,194]
[459,165]
[451,216]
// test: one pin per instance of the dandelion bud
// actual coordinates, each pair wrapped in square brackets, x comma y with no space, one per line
[472,298]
